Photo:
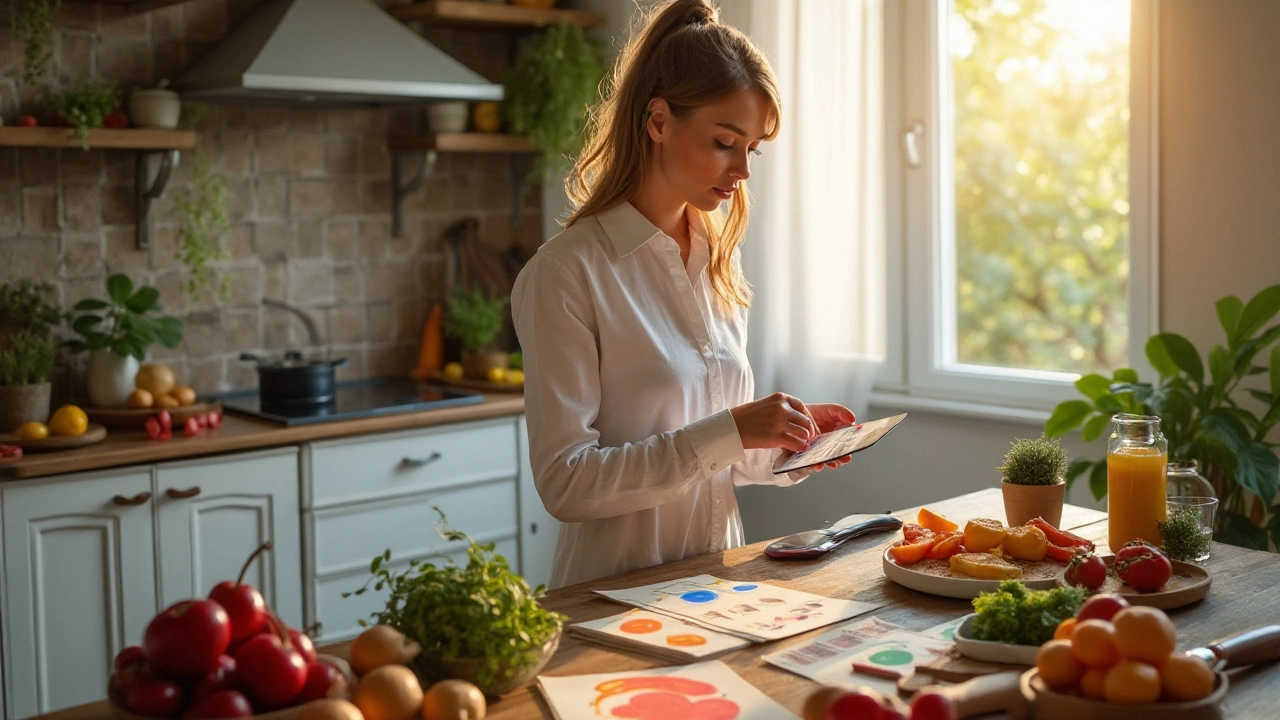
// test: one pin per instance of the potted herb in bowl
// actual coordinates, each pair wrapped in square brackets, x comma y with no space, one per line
[117,333]
[27,350]
[475,319]
[1033,480]
[480,622]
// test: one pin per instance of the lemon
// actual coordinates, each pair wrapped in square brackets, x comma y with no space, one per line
[453,371]
[515,377]
[69,420]
[32,431]
[496,374]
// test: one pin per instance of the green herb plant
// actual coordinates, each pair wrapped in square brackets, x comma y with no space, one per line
[1034,461]
[85,106]
[35,20]
[481,611]
[124,323]
[1205,413]
[1018,616]
[553,81]
[474,318]
[204,220]
[28,360]
[23,306]
[1182,535]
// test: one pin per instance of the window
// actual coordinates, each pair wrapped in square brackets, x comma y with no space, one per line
[1026,195]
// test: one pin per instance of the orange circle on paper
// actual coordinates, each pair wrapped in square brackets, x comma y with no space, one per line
[639,626]
[686,640]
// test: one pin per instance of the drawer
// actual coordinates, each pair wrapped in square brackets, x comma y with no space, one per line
[348,538]
[365,468]
[339,616]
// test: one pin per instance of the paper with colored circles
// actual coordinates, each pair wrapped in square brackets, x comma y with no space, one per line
[658,634]
[829,658]
[701,691]
[758,612]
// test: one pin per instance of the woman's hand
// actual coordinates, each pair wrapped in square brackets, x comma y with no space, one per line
[777,421]
[828,417]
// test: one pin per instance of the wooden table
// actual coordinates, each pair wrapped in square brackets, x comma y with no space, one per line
[1246,593]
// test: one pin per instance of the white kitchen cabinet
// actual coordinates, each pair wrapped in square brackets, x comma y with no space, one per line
[212,513]
[538,530]
[80,584]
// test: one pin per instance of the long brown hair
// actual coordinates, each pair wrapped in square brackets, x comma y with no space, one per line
[679,51]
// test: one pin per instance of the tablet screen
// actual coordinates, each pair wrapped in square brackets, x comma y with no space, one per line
[837,444]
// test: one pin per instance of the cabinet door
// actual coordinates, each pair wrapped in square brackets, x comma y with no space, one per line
[538,530]
[80,585]
[213,513]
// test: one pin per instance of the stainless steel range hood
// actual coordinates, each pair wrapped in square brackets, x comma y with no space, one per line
[328,52]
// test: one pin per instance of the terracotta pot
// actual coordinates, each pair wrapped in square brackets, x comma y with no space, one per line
[23,403]
[1026,502]
[476,364]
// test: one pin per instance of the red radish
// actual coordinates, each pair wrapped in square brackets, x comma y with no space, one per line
[321,677]
[243,603]
[129,656]
[202,420]
[166,420]
[10,451]
[215,419]
[191,427]
[155,697]
[220,678]
[186,640]
[155,430]
[302,643]
[222,704]
[271,672]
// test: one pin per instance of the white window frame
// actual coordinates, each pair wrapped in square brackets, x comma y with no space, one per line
[918,203]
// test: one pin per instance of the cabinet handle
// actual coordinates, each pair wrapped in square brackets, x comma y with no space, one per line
[182,494]
[420,462]
[138,499]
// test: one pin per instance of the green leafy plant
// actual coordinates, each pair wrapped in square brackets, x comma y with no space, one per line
[481,611]
[28,359]
[474,318]
[553,81]
[204,219]
[1203,414]
[85,106]
[35,19]
[124,323]
[1013,614]
[1035,461]
[1182,536]
[23,306]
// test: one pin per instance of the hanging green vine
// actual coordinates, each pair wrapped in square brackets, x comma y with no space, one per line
[35,19]
[204,221]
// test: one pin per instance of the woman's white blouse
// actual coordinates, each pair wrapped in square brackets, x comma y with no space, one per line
[631,366]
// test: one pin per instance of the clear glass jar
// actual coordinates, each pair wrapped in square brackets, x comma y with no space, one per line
[1137,456]
[1184,480]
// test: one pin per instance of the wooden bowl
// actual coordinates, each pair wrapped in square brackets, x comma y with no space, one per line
[1046,704]
[136,418]
[1189,584]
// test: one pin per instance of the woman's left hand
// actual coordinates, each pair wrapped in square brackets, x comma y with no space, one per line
[828,417]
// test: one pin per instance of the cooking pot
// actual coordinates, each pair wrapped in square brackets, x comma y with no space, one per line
[293,379]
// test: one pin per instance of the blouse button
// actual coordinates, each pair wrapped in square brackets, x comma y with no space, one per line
[713,466]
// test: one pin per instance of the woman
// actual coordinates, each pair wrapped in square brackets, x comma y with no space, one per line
[633,319]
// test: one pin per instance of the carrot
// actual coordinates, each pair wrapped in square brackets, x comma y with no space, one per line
[431,351]
[1061,538]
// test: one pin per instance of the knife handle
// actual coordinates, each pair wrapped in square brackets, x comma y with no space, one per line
[1250,647]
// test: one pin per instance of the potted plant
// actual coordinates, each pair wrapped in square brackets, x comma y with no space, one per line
[1205,414]
[35,19]
[25,366]
[499,644]
[1034,483]
[117,332]
[87,106]
[475,319]
[553,81]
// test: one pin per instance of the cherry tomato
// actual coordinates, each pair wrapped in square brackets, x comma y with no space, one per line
[155,431]
[166,420]
[10,451]
[191,427]
[215,419]
[1086,570]
[27,121]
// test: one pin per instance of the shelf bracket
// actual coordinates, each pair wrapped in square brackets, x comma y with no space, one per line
[148,190]
[521,166]
[401,189]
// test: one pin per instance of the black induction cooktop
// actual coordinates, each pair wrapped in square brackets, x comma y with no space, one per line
[354,399]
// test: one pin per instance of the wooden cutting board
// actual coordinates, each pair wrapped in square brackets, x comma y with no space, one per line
[136,418]
[954,667]
[95,433]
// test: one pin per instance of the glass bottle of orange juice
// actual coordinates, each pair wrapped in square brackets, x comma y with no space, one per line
[1137,454]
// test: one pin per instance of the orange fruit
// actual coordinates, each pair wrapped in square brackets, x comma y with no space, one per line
[1093,683]
[69,420]
[1185,679]
[390,692]
[167,401]
[1064,629]
[184,395]
[453,700]
[1144,634]
[32,431]
[1094,643]
[155,378]
[141,399]
[931,520]
[1131,681]
[1059,668]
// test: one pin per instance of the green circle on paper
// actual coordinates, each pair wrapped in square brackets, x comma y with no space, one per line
[891,657]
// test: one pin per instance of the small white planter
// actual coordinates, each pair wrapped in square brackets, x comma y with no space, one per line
[155,108]
[447,117]
[110,378]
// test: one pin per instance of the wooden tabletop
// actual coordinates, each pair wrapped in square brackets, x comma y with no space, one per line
[239,433]
[1245,594]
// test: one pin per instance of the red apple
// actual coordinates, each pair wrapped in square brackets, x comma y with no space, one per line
[854,705]
[131,655]
[27,121]
[321,676]
[302,643]
[220,678]
[115,119]
[155,697]
[243,603]
[186,640]
[222,704]
[269,670]
[933,706]
[1101,607]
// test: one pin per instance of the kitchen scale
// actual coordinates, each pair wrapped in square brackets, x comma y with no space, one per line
[353,399]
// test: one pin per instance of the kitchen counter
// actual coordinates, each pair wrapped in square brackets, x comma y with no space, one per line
[1243,596]
[240,433]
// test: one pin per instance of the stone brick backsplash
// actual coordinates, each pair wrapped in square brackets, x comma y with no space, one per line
[310,208]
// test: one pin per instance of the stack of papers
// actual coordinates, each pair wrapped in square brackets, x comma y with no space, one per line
[659,635]
[829,658]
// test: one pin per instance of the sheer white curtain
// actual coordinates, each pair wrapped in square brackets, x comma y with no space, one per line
[815,250]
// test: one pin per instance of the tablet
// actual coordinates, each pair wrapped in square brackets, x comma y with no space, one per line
[837,444]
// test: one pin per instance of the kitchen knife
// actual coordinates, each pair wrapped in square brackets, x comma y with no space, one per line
[813,543]
[1261,644]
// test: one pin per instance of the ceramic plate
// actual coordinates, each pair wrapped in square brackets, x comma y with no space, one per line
[994,652]
[939,581]
[1190,583]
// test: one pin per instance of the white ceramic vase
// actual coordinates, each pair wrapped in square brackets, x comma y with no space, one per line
[110,378]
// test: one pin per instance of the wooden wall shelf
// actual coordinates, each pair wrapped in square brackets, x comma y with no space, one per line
[490,16]
[101,139]
[133,6]
[462,142]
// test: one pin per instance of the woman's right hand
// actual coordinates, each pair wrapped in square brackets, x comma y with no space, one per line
[776,421]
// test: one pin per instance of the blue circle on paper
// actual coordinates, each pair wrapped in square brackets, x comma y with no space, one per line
[698,597]
[744,588]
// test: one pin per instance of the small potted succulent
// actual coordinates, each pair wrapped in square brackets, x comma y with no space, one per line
[475,319]
[27,350]
[1034,482]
